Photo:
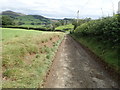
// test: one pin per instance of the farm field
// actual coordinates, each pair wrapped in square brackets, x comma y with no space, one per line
[65,27]
[27,56]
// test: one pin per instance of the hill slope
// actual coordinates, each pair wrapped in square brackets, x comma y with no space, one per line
[11,13]
[23,19]
[32,19]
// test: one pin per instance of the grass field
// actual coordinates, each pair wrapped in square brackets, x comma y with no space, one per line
[9,33]
[27,56]
[65,27]
[33,26]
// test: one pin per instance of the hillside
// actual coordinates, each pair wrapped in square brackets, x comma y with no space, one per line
[23,19]
[20,20]
[32,20]
[11,13]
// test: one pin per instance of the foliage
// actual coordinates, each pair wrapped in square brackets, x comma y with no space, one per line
[106,30]
[6,20]
[30,19]
[65,27]
[62,22]
[79,22]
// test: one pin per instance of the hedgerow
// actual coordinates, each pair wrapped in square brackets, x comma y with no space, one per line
[105,30]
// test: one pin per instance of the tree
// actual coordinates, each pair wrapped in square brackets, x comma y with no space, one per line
[80,22]
[6,20]
[32,23]
[61,22]
[87,19]
[74,22]
[20,23]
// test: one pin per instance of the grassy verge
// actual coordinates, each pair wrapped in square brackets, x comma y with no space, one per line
[109,55]
[27,56]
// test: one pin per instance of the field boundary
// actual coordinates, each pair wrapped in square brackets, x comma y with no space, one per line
[37,29]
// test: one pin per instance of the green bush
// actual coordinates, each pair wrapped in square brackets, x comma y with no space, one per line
[6,20]
[106,30]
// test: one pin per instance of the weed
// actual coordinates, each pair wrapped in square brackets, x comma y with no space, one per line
[42,41]
[45,46]
[50,38]
[37,55]
[16,35]
[48,56]
[46,40]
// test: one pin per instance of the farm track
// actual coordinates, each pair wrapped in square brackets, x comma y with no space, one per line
[73,67]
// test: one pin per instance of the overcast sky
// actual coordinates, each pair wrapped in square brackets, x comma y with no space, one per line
[62,8]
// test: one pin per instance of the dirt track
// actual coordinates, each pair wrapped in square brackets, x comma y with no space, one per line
[74,68]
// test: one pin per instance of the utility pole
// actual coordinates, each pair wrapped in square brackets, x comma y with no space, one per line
[77,16]
[113,8]
[119,7]
[102,12]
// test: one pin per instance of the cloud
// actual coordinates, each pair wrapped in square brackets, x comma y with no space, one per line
[62,8]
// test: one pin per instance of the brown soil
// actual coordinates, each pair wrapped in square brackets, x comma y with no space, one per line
[74,67]
[50,41]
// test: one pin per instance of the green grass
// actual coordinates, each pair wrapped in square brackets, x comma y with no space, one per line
[65,27]
[9,33]
[33,26]
[25,60]
[109,55]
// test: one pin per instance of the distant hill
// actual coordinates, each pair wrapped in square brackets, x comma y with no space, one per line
[23,19]
[33,19]
[27,19]
[11,13]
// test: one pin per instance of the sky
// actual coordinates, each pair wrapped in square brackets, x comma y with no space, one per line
[62,8]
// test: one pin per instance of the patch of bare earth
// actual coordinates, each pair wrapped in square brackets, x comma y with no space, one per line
[73,67]
[50,41]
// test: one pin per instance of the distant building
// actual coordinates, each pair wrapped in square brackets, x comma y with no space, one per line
[119,7]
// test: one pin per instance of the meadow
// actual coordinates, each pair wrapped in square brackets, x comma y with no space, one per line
[27,56]
[65,27]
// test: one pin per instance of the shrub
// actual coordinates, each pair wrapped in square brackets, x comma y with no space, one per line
[106,30]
